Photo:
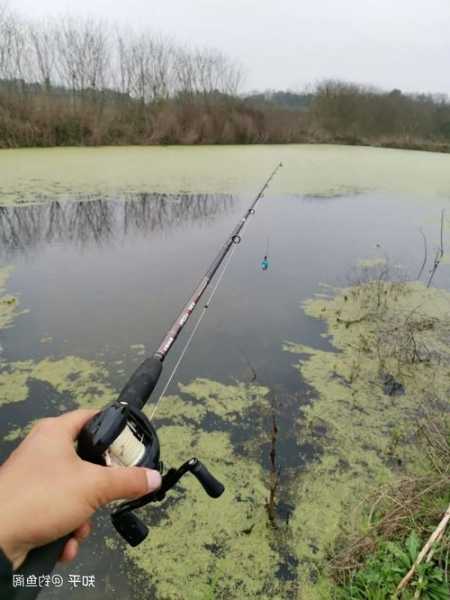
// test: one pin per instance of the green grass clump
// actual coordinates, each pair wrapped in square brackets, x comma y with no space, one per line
[379,577]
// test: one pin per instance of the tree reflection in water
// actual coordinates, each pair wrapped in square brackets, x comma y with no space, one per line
[97,221]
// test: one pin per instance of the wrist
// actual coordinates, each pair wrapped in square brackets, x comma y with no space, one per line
[13,550]
[12,524]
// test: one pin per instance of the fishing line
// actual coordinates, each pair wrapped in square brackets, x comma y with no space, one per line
[194,330]
[230,247]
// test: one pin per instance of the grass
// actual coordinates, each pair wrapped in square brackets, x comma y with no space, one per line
[398,520]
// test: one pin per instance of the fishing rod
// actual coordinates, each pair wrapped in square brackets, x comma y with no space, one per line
[122,435]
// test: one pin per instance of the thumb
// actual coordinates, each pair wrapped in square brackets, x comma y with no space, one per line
[117,483]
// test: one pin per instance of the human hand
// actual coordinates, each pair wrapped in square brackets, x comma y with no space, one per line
[47,491]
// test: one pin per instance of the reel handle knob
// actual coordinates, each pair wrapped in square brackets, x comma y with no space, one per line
[210,484]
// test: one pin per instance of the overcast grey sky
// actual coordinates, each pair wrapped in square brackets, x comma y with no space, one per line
[290,43]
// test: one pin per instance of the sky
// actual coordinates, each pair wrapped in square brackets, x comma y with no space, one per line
[290,44]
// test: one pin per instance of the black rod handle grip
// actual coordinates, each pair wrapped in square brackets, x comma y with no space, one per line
[210,484]
[40,561]
[142,383]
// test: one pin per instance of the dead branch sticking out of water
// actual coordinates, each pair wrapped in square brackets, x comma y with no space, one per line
[425,254]
[274,474]
[439,252]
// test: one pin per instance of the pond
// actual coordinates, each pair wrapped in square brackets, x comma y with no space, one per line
[104,246]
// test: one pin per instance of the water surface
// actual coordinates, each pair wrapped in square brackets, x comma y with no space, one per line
[104,266]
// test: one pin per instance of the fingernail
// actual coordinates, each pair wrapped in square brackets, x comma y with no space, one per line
[153,480]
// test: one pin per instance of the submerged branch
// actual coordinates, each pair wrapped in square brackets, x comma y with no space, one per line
[439,252]
[425,252]
[274,479]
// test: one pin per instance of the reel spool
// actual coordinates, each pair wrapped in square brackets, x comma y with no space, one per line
[120,435]
[126,450]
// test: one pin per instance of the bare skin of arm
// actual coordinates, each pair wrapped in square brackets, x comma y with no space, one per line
[47,491]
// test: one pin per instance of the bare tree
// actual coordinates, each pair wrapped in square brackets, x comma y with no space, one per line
[82,54]
[14,63]
[42,35]
[205,71]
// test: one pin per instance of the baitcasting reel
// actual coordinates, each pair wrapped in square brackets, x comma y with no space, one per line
[121,435]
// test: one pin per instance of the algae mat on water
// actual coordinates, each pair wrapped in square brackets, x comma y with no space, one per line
[382,332]
[37,175]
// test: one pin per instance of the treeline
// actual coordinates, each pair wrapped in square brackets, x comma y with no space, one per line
[355,114]
[72,81]
[84,82]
